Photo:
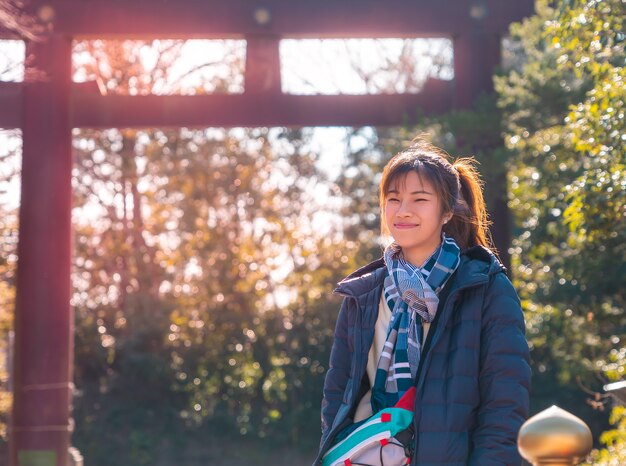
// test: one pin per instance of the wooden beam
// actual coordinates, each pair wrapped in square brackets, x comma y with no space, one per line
[9,34]
[91,110]
[283,18]
[250,110]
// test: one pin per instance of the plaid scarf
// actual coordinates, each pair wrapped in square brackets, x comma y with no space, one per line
[410,292]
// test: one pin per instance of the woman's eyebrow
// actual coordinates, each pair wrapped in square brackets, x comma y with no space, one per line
[393,191]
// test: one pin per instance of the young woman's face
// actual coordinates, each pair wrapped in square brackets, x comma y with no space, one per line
[414,217]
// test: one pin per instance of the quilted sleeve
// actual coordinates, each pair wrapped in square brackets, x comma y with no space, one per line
[338,371]
[504,378]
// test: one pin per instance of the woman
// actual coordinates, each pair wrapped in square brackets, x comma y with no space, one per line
[436,312]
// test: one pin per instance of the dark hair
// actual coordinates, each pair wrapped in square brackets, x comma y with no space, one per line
[457,185]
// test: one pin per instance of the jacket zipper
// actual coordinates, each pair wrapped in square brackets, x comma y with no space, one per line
[423,362]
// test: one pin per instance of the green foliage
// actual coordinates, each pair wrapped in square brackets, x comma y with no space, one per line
[8,251]
[564,109]
[615,440]
[202,301]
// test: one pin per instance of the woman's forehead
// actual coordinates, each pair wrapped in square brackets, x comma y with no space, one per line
[413,181]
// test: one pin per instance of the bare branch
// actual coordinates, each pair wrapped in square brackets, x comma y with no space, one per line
[13,18]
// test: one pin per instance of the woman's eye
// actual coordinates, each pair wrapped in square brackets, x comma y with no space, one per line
[393,199]
[419,200]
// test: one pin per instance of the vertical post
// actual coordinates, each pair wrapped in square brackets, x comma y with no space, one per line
[262,65]
[40,430]
[476,56]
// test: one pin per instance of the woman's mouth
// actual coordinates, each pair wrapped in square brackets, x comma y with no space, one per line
[401,226]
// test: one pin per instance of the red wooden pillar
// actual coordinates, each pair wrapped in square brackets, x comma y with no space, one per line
[476,55]
[40,430]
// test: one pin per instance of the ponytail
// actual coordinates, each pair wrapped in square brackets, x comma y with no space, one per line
[469,225]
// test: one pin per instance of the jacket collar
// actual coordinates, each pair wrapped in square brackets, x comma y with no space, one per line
[477,265]
[363,280]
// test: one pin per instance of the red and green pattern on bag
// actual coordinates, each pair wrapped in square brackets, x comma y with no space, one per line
[373,443]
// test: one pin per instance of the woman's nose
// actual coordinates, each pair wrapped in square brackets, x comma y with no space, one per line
[402,210]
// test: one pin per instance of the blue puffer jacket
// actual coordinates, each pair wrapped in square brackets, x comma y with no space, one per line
[474,377]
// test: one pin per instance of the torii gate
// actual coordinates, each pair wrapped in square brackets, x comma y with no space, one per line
[46,111]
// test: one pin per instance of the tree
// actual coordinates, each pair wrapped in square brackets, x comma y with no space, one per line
[201,258]
[8,259]
[562,103]
[9,175]
[14,19]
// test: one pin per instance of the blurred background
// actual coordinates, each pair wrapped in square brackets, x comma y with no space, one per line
[205,258]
